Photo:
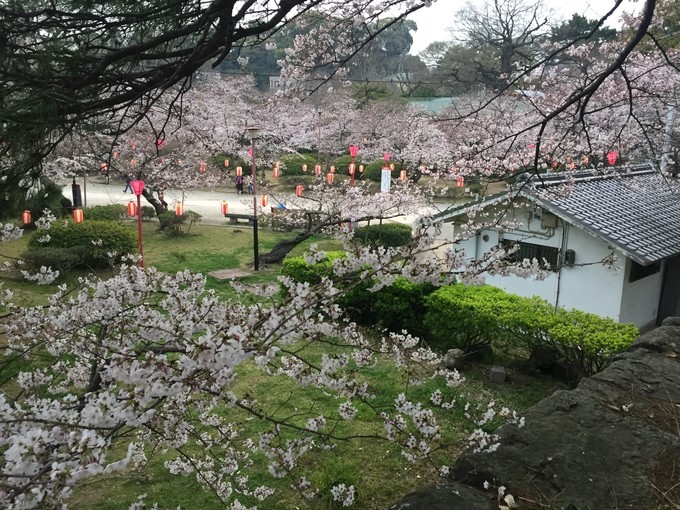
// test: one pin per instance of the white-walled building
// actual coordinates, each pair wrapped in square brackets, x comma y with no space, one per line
[612,241]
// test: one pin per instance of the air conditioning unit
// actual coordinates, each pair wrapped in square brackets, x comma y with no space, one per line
[569,258]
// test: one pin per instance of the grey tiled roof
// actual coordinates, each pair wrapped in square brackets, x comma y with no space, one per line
[636,210]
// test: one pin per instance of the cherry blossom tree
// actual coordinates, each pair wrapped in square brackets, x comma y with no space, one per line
[148,362]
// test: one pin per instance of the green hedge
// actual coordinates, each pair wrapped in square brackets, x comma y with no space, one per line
[177,226]
[109,212]
[400,306]
[148,213]
[373,170]
[465,317]
[387,234]
[82,245]
[299,270]
[292,164]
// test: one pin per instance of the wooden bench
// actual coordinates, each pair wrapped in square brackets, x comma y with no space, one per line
[235,217]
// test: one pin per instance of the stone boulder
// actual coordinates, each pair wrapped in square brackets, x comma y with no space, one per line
[447,496]
[613,442]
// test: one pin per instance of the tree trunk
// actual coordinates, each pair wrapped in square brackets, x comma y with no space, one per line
[283,248]
[148,194]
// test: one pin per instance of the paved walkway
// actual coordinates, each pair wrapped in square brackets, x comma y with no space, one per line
[204,202]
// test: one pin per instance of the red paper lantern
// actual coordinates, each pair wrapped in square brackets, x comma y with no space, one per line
[361,169]
[202,166]
[239,170]
[612,156]
[265,200]
[26,217]
[132,209]
[103,167]
[460,181]
[402,176]
[332,169]
[386,156]
[179,208]
[133,163]
[352,166]
[277,172]
[78,215]
[137,186]
[224,207]
[330,177]
[298,190]
[226,163]
[304,167]
[317,170]
[115,155]
[353,150]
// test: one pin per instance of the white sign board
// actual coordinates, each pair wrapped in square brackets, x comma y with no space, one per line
[385,180]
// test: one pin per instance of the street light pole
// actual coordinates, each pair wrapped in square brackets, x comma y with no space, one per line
[252,133]
[318,134]
[137,188]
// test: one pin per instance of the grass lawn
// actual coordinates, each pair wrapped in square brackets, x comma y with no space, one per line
[378,469]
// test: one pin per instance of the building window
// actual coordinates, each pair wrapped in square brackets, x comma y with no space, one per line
[532,251]
[638,271]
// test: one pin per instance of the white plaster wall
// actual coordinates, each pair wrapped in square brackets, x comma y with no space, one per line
[592,287]
[640,300]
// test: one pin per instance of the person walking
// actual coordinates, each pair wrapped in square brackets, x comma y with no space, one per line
[127,186]
[239,184]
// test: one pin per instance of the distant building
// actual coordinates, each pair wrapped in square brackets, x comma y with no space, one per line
[432,104]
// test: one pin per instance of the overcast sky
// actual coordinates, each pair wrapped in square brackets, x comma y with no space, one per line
[433,22]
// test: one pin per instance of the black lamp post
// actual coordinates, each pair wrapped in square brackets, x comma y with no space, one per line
[252,133]
[318,134]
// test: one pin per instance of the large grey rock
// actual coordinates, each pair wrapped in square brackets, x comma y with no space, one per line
[447,496]
[605,444]
[453,359]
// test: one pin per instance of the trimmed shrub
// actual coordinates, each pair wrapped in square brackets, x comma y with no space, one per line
[387,234]
[299,270]
[467,317]
[61,259]
[109,212]
[401,306]
[586,342]
[148,213]
[87,243]
[398,307]
[292,164]
[177,226]
[373,171]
